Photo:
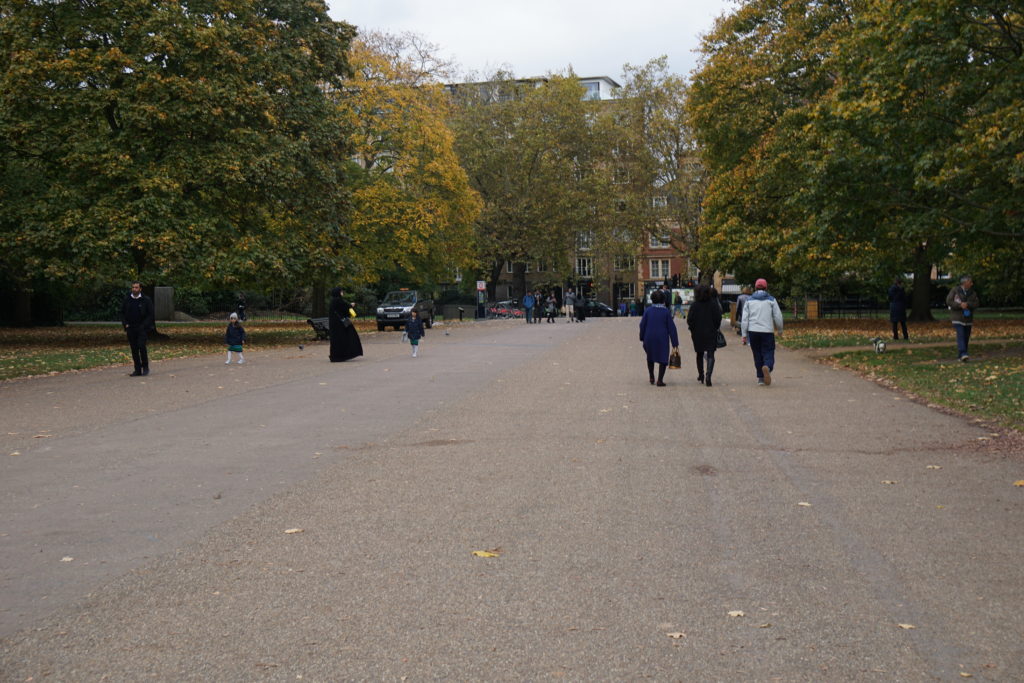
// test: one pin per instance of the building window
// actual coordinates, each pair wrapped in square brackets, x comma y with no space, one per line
[585,240]
[529,267]
[584,267]
[659,242]
[620,205]
[659,269]
[509,291]
[659,202]
[508,266]
[621,176]
[625,263]
[541,266]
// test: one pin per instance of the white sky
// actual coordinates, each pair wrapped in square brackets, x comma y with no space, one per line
[535,37]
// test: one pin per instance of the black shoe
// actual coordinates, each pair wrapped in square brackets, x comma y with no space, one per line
[137,373]
[700,378]
[661,384]
[707,382]
[145,371]
[652,380]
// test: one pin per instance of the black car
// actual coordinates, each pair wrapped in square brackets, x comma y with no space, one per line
[397,306]
[597,309]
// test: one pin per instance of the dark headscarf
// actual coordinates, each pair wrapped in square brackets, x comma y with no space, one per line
[336,292]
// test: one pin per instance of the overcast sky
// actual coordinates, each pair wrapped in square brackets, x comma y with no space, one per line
[535,37]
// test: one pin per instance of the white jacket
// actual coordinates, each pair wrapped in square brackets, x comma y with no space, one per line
[761,313]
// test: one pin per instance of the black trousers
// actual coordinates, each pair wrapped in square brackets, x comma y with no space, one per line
[137,340]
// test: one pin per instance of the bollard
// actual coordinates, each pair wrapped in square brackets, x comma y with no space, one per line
[461,311]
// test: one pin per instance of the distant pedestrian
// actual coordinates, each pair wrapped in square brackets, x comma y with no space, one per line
[234,338]
[898,308]
[552,307]
[570,306]
[414,331]
[657,332]
[633,308]
[240,307]
[745,293]
[704,320]
[528,304]
[345,343]
[962,300]
[138,318]
[677,305]
[762,317]
[581,307]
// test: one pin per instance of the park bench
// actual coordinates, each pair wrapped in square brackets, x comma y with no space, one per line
[320,326]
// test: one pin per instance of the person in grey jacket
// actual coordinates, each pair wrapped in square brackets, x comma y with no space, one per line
[570,306]
[762,317]
[962,300]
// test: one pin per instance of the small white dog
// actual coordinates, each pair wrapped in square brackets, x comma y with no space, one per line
[879,344]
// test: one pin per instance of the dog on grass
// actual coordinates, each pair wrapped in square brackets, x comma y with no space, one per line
[879,344]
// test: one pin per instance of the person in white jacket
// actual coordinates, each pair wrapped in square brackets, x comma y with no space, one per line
[762,317]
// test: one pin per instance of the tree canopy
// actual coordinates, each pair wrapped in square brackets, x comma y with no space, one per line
[862,137]
[188,141]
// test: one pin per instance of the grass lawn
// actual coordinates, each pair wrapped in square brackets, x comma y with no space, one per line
[47,350]
[830,332]
[990,386]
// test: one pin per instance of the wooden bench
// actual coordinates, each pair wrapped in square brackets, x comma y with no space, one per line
[320,326]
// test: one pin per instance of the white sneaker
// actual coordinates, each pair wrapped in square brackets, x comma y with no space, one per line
[227,362]
[241,361]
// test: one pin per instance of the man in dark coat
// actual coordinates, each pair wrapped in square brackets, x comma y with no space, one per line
[898,308]
[137,317]
[345,343]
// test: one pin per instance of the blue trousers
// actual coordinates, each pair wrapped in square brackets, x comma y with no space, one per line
[762,344]
[529,314]
[963,337]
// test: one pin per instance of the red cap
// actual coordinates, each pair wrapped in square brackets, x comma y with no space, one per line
[761,283]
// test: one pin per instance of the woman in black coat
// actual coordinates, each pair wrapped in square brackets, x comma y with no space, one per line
[345,343]
[704,320]
[898,308]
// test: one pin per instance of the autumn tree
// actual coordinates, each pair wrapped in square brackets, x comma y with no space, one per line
[189,141]
[863,138]
[665,181]
[525,145]
[412,206]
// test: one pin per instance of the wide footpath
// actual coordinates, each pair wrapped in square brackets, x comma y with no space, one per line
[292,519]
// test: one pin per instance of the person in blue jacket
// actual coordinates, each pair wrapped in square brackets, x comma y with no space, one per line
[657,330]
[528,303]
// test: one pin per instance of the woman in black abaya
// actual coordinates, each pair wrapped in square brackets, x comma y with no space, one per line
[345,343]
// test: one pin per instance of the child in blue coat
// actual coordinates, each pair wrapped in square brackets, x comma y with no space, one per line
[414,330]
[234,338]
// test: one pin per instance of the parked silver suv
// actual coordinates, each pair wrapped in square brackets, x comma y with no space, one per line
[397,307]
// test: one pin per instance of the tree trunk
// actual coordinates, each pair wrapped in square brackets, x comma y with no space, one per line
[519,280]
[921,294]
[22,307]
[319,302]
[492,282]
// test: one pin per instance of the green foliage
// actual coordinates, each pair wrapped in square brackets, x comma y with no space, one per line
[185,142]
[863,138]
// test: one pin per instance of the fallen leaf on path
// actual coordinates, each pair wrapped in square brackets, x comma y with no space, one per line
[67,559]
[1019,482]
[676,635]
[495,552]
[964,674]
[294,531]
[737,613]
[16,453]
[933,467]
[889,481]
[765,626]
[906,626]
[804,504]
[42,436]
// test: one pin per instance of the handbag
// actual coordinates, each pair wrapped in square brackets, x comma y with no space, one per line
[675,361]
[720,340]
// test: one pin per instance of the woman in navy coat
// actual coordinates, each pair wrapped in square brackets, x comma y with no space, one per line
[657,330]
